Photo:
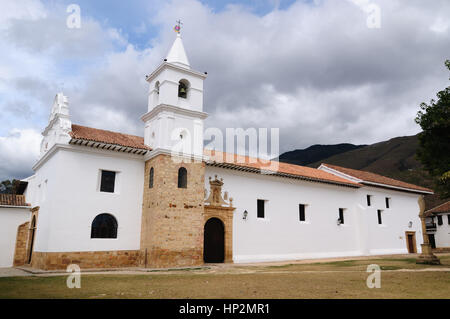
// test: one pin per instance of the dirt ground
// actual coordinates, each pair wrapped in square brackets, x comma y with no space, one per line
[401,277]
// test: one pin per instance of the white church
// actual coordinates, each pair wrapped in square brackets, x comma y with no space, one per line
[103,199]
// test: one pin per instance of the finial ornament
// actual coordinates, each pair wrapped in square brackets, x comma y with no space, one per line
[215,195]
[177,27]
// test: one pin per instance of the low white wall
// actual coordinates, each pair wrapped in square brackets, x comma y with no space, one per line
[10,219]
[442,234]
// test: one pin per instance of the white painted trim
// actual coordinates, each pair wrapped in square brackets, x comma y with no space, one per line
[9,206]
[83,149]
[397,187]
[339,173]
[162,151]
[175,109]
[150,77]
[53,121]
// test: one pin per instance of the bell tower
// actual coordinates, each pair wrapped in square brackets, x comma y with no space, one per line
[173,198]
[174,121]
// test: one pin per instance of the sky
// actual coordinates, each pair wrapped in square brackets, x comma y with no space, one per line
[320,70]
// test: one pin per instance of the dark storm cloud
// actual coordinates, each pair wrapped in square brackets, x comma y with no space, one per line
[316,71]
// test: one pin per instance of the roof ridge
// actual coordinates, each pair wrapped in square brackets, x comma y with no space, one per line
[109,131]
[435,207]
[311,173]
[348,171]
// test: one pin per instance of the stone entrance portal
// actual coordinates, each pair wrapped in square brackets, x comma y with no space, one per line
[218,230]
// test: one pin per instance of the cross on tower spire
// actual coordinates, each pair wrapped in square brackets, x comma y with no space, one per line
[177,27]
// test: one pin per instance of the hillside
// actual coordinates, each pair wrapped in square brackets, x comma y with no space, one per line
[316,153]
[394,158]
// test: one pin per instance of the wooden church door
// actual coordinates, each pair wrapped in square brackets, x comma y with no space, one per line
[214,241]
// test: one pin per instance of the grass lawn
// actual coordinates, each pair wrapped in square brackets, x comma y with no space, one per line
[342,279]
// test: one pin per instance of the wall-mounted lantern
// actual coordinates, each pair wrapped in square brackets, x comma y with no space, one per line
[244,215]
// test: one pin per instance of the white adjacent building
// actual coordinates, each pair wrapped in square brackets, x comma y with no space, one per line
[107,199]
[438,226]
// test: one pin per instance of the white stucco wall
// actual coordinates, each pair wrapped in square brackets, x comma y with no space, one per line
[281,236]
[442,234]
[66,187]
[69,199]
[389,237]
[10,219]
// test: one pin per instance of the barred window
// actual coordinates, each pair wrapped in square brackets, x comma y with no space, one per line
[107,182]
[182,178]
[104,226]
[341,215]
[150,182]
[301,208]
[380,219]
[261,211]
[368,200]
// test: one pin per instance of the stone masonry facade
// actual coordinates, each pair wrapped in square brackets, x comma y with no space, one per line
[21,250]
[172,217]
[85,259]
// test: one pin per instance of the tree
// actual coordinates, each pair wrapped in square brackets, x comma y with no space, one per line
[434,141]
[9,186]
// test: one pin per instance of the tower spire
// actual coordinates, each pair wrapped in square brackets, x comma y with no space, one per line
[177,54]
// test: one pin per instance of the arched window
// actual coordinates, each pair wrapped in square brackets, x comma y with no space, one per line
[104,226]
[150,181]
[157,87]
[183,87]
[182,178]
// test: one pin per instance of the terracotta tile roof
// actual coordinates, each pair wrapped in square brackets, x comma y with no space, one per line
[220,158]
[107,137]
[375,178]
[12,200]
[443,208]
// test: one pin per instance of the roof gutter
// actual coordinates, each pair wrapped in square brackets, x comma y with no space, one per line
[397,188]
[267,172]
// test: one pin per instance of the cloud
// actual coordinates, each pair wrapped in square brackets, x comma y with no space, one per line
[18,153]
[312,69]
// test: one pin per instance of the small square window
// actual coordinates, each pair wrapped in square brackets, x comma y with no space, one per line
[301,211]
[261,208]
[379,213]
[107,181]
[368,200]
[388,202]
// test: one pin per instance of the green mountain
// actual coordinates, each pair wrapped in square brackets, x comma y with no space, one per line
[394,158]
[316,153]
